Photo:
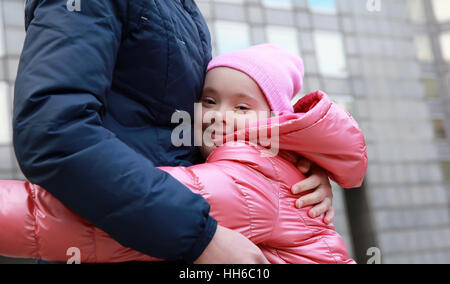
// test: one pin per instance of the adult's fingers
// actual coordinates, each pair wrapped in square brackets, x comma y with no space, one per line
[320,208]
[329,216]
[313,198]
[304,166]
[310,183]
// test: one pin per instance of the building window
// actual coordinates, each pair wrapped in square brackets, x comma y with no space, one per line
[330,54]
[441,10]
[284,4]
[424,51]
[5,136]
[416,11]
[323,6]
[431,88]
[2,35]
[231,1]
[445,46]
[446,170]
[231,36]
[285,37]
[439,129]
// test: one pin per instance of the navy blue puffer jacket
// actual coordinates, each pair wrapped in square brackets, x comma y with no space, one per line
[97,85]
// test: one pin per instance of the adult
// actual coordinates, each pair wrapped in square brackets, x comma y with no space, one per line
[98,82]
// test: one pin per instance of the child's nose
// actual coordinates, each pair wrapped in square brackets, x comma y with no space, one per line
[220,116]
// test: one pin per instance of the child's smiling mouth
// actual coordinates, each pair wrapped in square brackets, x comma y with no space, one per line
[215,133]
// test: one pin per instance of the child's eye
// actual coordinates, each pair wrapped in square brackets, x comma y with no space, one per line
[242,108]
[209,101]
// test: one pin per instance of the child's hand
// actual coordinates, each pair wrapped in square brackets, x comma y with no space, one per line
[322,195]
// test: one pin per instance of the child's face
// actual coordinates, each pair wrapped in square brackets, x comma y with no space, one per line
[230,101]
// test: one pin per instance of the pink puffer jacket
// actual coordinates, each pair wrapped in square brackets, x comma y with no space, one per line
[248,192]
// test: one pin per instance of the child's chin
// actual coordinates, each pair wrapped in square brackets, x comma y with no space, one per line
[207,150]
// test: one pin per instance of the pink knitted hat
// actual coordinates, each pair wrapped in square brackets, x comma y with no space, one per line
[277,72]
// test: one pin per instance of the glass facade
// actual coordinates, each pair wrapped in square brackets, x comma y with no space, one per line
[330,54]
[237,31]
[323,6]
[388,65]
[11,41]
[434,22]
[445,46]
[441,10]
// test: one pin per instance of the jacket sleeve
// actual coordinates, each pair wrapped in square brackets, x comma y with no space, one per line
[64,76]
[36,225]
[325,133]
[240,198]
[17,220]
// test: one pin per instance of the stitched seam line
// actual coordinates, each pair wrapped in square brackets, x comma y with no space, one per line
[313,233]
[194,16]
[278,254]
[32,192]
[95,244]
[166,28]
[245,194]
[279,197]
[277,173]
[198,185]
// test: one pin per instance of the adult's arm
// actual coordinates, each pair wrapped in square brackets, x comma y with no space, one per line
[64,76]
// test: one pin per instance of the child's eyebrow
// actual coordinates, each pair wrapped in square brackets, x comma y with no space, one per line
[210,90]
[246,96]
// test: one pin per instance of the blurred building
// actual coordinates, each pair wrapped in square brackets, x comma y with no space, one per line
[387,62]
[12,35]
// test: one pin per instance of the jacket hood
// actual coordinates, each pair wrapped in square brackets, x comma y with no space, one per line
[318,130]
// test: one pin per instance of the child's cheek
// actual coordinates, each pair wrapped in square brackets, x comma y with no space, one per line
[246,120]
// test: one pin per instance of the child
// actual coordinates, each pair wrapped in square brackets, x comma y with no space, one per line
[247,188]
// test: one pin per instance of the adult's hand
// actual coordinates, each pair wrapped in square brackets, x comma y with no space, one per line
[230,247]
[321,196]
